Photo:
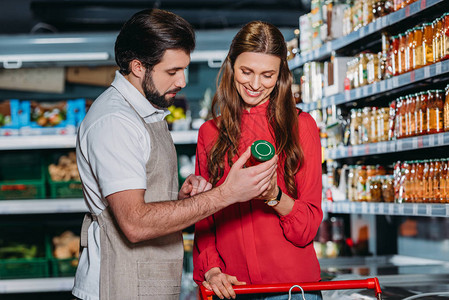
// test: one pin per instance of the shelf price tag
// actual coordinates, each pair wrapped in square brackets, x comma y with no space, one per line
[381,207]
[401,209]
[358,93]
[415,209]
[420,142]
[374,88]
[390,83]
[407,11]
[440,139]
[383,85]
[395,81]
[364,208]
[399,145]
[438,68]
[427,72]
[328,46]
[390,208]
[431,140]
[428,210]
[415,143]
[423,4]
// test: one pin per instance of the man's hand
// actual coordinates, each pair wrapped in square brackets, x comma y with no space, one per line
[193,185]
[221,283]
[243,184]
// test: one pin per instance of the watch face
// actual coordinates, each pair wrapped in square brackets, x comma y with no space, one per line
[273,202]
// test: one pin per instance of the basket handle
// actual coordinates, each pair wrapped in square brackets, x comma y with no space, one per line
[369,283]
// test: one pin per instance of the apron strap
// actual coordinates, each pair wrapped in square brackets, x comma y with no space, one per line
[88,219]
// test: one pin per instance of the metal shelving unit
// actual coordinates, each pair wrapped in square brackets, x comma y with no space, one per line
[393,19]
[378,89]
[42,206]
[406,144]
[392,209]
[69,141]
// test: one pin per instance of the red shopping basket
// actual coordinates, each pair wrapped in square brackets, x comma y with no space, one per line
[369,283]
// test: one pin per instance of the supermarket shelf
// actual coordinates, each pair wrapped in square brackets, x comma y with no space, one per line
[36,285]
[69,141]
[377,88]
[42,206]
[406,144]
[397,209]
[356,36]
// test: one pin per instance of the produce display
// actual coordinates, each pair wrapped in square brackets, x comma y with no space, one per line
[65,169]
[48,115]
[66,245]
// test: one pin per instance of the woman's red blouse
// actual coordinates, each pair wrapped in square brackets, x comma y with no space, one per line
[250,240]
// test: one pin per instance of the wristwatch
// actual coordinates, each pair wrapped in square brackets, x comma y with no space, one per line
[274,201]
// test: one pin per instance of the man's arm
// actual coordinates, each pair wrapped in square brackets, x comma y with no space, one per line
[141,221]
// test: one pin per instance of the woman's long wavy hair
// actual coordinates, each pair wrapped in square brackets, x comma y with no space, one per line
[227,105]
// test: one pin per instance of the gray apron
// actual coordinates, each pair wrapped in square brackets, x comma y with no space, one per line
[150,269]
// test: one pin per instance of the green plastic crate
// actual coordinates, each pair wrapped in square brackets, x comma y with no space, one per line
[65,189]
[62,189]
[21,176]
[28,235]
[61,267]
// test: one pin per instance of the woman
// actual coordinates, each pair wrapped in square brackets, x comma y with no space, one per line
[254,243]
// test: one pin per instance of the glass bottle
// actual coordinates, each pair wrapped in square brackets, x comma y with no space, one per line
[419,183]
[446,109]
[401,56]
[398,119]
[422,119]
[404,187]
[361,183]
[418,49]
[407,115]
[437,171]
[429,180]
[261,151]
[412,179]
[443,181]
[366,125]
[387,189]
[428,42]
[363,70]
[372,68]
[359,126]
[435,109]
[408,50]
[395,55]
[392,121]
[403,117]
[367,8]
[437,39]
[445,34]
[425,180]
[373,125]
[411,116]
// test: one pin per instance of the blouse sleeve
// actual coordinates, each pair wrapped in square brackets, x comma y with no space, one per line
[301,224]
[205,255]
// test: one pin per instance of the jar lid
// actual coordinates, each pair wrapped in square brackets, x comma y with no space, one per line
[262,150]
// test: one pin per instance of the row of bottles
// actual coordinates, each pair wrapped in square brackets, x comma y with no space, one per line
[422,181]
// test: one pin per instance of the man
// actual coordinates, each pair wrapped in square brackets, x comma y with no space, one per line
[132,244]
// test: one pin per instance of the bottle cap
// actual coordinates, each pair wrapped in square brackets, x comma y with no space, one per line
[262,150]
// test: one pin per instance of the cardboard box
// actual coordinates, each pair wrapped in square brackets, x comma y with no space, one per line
[33,79]
[99,76]
[334,75]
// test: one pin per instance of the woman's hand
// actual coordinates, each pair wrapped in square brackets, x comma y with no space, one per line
[221,283]
[193,185]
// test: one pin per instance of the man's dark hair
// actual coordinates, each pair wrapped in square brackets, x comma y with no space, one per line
[148,34]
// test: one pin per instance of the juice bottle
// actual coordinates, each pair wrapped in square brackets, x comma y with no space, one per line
[401,56]
[428,43]
[395,55]
[436,181]
[445,34]
[443,181]
[419,183]
[437,39]
[435,109]
[418,48]
[408,50]
[425,181]
[446,109]
[422,120]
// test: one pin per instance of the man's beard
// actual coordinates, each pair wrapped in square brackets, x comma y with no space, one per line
[153,95]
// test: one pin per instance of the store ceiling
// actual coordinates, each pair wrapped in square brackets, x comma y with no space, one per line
[38,16]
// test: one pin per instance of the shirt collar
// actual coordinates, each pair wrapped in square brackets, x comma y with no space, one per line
[141,104]
[261,108]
